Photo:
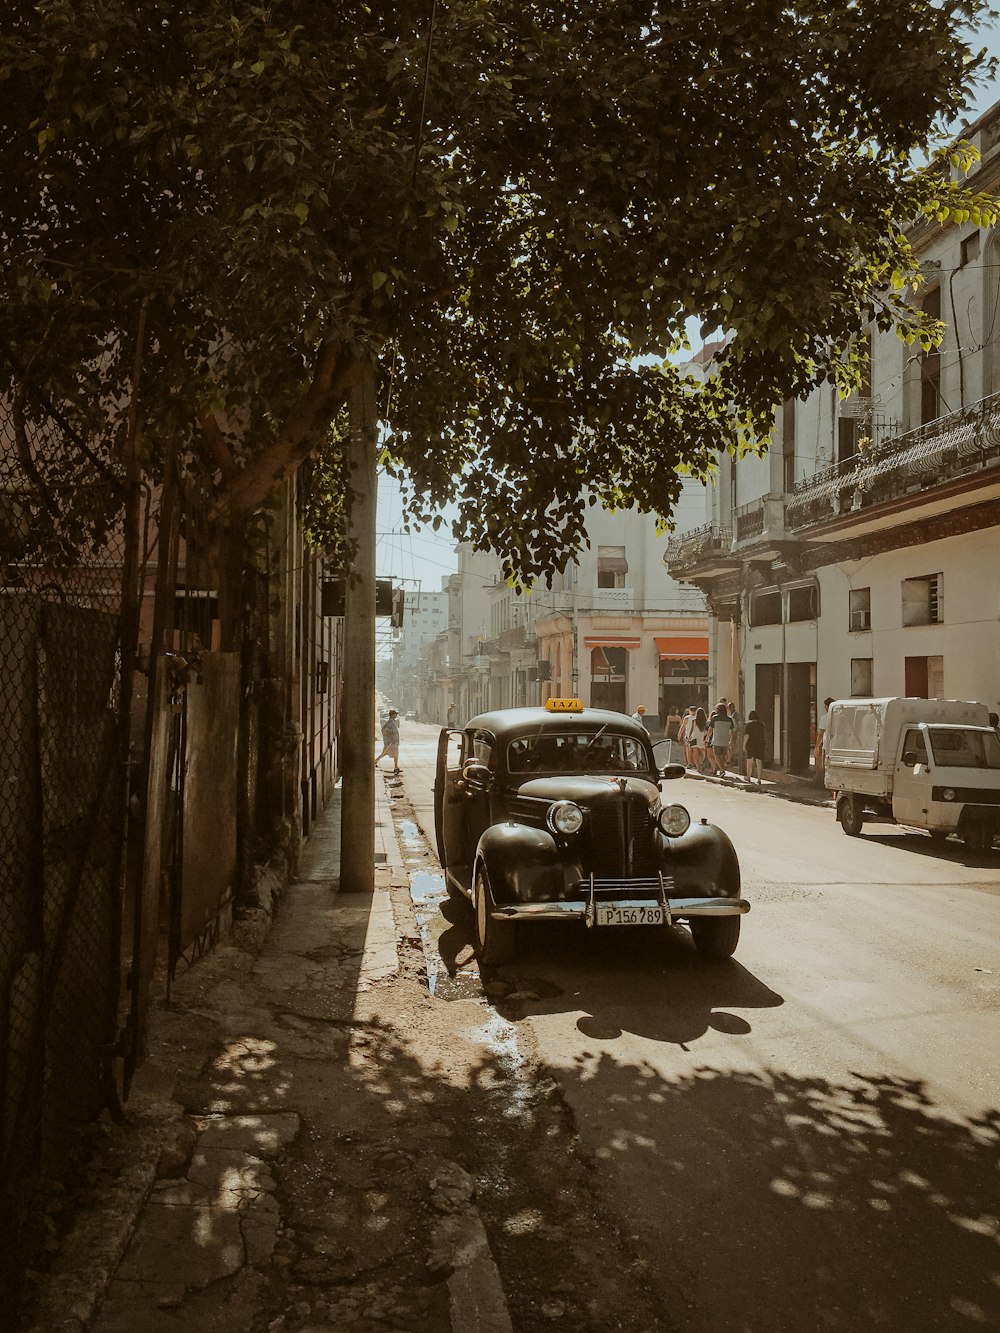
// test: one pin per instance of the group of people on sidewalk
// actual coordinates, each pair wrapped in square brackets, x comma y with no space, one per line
[709,740]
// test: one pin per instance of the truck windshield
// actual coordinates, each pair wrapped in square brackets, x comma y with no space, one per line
[958,748]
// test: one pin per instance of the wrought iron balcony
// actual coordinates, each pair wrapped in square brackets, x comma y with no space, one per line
[700,545]
[519,636]
[749,521]
[959,444]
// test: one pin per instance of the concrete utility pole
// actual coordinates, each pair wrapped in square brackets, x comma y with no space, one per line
[357,833]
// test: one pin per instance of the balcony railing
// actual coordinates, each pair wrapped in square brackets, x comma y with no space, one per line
[609,599]
[749,520]
[960,443]
[695,546]
[519,636]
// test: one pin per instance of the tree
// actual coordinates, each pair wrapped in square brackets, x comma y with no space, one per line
[513,210]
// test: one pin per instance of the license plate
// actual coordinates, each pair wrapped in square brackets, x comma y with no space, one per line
[609,915]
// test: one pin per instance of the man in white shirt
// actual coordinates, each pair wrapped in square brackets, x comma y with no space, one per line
[640,716]
[821,726]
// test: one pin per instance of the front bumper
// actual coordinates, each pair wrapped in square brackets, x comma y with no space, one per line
[622,893]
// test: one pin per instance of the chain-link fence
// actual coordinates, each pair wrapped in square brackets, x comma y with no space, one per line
[63,801]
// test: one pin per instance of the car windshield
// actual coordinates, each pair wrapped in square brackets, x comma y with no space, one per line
[957,747]
[577,752]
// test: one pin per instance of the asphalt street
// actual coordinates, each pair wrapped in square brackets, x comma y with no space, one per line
[806,1136]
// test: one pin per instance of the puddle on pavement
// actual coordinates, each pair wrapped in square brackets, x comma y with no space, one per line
[427,890]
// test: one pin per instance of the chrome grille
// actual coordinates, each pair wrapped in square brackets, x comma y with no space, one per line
[621,840]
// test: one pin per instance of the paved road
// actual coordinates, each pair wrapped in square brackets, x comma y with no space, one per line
[807,1136]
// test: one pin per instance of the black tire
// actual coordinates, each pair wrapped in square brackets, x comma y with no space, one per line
[978,838]
[715,937]
[852,821]
[495,940]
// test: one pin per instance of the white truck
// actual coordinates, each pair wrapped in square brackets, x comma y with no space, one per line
[926,763]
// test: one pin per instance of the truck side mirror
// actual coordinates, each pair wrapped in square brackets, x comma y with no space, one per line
[910,758]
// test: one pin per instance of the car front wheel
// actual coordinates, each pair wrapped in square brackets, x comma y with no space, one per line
[494,939]
[715,937]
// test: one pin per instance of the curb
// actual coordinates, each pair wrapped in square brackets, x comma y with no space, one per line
[477,1302]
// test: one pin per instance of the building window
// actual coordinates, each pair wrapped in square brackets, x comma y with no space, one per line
[923,600]
[847,439]
[803,602]
[765,607]
[924,677]
[854,421]
[930,367]
[860,608]
[611,566]
[861,677]
[969,249]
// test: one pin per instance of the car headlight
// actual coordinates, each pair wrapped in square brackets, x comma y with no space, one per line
[673,820]
[948,794]
[564,817]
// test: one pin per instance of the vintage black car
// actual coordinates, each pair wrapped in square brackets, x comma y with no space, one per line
[555,813]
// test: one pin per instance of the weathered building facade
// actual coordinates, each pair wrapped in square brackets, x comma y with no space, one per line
[860,556]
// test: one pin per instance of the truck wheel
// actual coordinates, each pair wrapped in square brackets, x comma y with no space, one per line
[852,821]
[978,838]
[715,937]
[494,939]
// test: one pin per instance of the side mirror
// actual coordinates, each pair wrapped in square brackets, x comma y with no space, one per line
[477,777]
[910,758]
[672,771]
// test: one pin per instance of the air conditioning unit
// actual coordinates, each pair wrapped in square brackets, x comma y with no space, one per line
[861,620]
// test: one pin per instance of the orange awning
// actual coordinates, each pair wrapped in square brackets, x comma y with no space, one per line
[681,649]
[611,641]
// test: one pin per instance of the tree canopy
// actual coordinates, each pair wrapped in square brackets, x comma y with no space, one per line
[514,209]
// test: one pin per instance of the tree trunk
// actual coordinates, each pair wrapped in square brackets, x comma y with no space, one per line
[357,846]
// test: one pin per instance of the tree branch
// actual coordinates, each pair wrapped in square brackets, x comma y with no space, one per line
[304,431]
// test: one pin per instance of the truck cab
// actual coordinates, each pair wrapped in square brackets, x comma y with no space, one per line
[925,763]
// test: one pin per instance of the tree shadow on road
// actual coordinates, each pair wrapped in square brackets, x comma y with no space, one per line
[787,1202]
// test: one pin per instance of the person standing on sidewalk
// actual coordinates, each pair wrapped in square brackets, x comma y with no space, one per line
[640,716]
[818,751]
[390,740]
[754,746]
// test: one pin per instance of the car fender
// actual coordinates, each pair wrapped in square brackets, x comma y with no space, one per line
[525,863]
[704,862]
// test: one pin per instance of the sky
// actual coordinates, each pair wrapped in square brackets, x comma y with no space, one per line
[422,558]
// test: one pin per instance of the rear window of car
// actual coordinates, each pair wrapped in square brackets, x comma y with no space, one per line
[576,752]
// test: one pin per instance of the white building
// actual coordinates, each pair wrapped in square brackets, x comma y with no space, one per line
[861,556]
[425,616]
[614,629]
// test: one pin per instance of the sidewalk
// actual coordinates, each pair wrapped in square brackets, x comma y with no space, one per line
[786,786]
[274,1169]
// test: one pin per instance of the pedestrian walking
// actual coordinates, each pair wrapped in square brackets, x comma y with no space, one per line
[754,746]
[682,735]
[452,714]
[390,740]
[640,716]
[697,730]
[672,730]
[721,735]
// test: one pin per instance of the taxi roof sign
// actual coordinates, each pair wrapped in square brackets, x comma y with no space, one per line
[564,705]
